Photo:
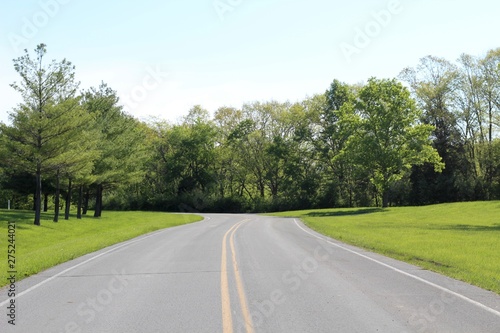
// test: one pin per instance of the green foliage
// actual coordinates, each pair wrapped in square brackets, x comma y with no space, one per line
[121,149]
[181,165]
[461,101]
[47,126]
[121,146]
[390,140]
[370,144]
[352,146]
[338,123]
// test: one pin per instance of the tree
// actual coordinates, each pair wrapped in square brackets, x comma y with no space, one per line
[121,148]
[190,159]
[390,139]
[77,163]
[40,125]
[226,119]
[433,83]
[490,92]
[301,171]
[336,129]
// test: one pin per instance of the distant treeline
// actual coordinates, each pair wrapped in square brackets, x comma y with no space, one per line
[429,136]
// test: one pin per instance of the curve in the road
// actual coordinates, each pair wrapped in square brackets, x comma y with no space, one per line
[246,273]
[451,292]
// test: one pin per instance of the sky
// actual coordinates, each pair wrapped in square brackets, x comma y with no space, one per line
[165,56]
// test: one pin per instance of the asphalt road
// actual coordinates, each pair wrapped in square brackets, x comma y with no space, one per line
[245,273]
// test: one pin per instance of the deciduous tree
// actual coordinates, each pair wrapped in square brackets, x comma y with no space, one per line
[390,139]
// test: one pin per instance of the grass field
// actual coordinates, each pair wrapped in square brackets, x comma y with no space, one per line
[461,240]
[38,248]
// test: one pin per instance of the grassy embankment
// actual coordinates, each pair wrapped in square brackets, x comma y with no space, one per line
[461,240]
[38,248]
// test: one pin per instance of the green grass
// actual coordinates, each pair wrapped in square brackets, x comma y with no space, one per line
[39,248]
[461,240]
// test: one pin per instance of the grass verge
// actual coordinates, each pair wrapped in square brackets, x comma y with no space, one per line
[39,248]
[460,240]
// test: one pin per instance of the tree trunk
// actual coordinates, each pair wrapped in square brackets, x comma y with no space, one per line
[86,201]
[58,190]
[490,167]
[385,199]
[45,202]
[38,196]
[350,195]
[221,189]
[96,208]
[98,201]
[68,201]
[80,199]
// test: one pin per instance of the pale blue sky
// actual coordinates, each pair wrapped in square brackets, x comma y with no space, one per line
[246,50]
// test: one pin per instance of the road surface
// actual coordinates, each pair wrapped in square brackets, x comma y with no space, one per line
[245,273]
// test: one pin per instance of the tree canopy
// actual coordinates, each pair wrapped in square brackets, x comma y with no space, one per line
[429,136]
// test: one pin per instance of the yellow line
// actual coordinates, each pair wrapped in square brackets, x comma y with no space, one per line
[227,320]
[239,285]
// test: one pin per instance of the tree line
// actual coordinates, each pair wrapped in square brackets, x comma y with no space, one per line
[429,136]
[62,138]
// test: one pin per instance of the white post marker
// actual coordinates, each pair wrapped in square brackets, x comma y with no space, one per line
[8,204]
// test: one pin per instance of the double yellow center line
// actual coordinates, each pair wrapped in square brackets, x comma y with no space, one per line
[227,318]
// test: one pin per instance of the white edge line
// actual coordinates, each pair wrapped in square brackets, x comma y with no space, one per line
[132,241]
[465,298]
